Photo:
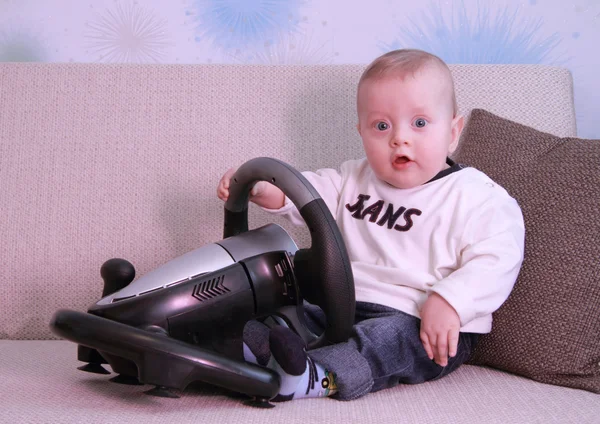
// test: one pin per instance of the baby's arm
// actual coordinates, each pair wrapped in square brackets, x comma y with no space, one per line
[440,327]
[263,193]
[491,256]
[327,182]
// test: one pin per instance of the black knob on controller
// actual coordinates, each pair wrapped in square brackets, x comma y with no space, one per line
[116,273]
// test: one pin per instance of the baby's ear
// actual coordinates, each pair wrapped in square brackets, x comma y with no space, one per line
[457,126]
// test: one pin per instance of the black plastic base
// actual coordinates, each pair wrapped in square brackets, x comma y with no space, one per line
[163,361]
[94,368]
[259,403]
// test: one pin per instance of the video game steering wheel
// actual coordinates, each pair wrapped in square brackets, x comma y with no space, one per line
[183,321]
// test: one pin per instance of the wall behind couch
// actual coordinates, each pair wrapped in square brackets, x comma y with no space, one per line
[554,32]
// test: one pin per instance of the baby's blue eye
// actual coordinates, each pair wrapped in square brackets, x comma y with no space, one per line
[420,122]
[382,126]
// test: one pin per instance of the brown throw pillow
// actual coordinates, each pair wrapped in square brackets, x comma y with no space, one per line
[549,328]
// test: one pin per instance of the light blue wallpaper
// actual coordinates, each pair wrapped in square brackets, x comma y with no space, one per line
[556,32]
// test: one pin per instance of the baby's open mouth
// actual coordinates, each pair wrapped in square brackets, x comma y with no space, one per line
[401,159]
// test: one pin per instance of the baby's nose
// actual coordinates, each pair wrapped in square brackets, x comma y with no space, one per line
[399,138]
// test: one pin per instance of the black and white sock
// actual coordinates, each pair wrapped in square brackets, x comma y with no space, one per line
[300,376]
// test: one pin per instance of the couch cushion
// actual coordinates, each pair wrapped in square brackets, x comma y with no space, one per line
[122,160]
[40,384]
[549,328]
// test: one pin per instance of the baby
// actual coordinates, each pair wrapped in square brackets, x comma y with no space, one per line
[435,246]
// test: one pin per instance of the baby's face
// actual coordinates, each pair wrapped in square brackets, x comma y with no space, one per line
[408,126]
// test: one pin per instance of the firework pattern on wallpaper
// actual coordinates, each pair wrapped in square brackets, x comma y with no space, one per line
[235,25]
[486,37]
[298,49]
[128,33]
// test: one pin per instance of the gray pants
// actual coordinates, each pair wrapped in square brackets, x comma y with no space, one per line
[383,351]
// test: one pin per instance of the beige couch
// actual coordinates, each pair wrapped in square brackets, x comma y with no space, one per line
[101,161]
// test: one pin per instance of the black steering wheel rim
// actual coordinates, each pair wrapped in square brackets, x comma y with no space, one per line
[327,253]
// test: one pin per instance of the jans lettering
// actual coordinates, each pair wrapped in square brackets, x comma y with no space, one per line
[360,211]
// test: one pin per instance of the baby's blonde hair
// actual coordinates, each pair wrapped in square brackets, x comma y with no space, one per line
[407,61]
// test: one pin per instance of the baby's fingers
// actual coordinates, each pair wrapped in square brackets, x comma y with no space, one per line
[223,187]
[222,193]
[442,350]
[258,189]
[427,344]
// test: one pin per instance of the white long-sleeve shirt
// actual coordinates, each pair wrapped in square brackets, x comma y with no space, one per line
[460,235]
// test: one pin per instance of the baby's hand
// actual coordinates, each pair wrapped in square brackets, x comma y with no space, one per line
[440,326]
[223,187]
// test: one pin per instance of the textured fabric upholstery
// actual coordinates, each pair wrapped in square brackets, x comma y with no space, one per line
[43,386]
[101,161]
